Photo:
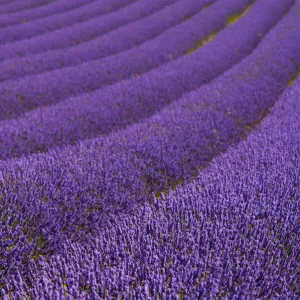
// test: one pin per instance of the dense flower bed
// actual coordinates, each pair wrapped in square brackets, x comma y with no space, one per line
[150,149]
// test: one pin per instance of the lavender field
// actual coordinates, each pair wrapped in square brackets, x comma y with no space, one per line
[150,149]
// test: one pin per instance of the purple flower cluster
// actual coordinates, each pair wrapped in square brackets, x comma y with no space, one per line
[158,159]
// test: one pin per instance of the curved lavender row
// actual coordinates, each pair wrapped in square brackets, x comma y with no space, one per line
[233,233]
[134,32]
[21,5]
[68,192]
[43,11]
[52,87]
[81,32]
[118,106]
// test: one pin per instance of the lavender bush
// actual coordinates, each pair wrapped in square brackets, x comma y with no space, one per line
[179,182]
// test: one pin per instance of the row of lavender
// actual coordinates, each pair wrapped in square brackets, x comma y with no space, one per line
[49,200]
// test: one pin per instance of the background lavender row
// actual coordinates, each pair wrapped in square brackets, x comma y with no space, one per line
[38,13]
[54,41]
[52,87]
[76,33]
[78,189]
[20,5]
[231,233]
[93,29]
[170,16]
[127,102]
[59,20]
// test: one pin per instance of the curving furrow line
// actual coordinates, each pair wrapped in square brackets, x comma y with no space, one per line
[243,208]
[52,87]
[69,192]
[41,12]
[125,103]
